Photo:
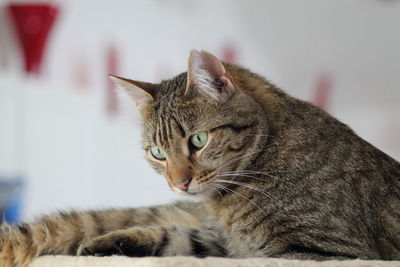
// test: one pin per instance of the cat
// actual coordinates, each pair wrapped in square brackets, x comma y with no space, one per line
[276,177]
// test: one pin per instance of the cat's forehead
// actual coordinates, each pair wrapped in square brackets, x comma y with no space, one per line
[170,103]
[175,112]
[167,100]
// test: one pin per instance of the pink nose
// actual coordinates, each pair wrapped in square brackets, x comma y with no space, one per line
[183,184]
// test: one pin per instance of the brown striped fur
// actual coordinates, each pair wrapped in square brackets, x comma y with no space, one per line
[278,178]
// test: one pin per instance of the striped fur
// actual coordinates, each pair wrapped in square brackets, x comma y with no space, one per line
[278,177]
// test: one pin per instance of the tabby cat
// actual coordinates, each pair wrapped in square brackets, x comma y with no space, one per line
[276,177]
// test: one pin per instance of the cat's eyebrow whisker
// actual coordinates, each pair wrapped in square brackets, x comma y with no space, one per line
[234,192]
[245,155]
[250,187]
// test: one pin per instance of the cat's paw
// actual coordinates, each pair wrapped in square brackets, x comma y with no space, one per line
[117,243]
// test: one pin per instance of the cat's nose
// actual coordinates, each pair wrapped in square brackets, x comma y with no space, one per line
[183,184]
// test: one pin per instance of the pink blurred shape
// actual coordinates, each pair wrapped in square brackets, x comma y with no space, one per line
[322,91]
[112,62]
[229,53]
[80,72]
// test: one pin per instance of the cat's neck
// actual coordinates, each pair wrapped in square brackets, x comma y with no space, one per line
[271,98]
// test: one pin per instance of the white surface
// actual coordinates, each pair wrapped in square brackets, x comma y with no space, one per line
[61,261]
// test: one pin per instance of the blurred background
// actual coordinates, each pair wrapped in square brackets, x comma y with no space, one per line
[68,141]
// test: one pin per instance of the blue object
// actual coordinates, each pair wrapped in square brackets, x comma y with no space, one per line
[10,199]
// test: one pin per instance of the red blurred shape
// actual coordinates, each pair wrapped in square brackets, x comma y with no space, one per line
[112,68]
[33,23]
[322,91]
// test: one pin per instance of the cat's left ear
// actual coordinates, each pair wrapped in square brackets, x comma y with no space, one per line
[207,75]
[141,92]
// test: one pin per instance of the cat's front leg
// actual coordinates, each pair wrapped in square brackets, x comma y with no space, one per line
[157,241]
[62,233]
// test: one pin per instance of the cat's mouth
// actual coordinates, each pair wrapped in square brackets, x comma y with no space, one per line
[195,190]
[201,185]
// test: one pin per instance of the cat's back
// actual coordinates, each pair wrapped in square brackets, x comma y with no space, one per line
[366,179]
[336,166]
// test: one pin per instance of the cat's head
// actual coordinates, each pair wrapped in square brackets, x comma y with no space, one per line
[198,126]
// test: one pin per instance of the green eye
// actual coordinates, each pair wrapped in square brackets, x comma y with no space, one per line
[199,139]
[158,153]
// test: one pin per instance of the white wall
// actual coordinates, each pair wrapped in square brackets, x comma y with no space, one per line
[75,155]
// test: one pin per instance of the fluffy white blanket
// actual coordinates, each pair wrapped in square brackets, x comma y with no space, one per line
[64,261]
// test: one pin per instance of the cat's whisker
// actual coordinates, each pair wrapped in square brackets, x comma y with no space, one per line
[249,172]
[216,189]
[243,175]
[257,178]
[234,192]
[256,172]
[250,187]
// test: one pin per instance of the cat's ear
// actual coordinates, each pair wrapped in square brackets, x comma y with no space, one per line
[142,93]
[207,75]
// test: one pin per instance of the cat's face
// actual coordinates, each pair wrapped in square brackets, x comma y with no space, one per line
[193,142]
[192,137]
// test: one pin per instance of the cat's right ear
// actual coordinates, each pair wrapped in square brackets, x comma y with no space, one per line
[208,76]
[141,92]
